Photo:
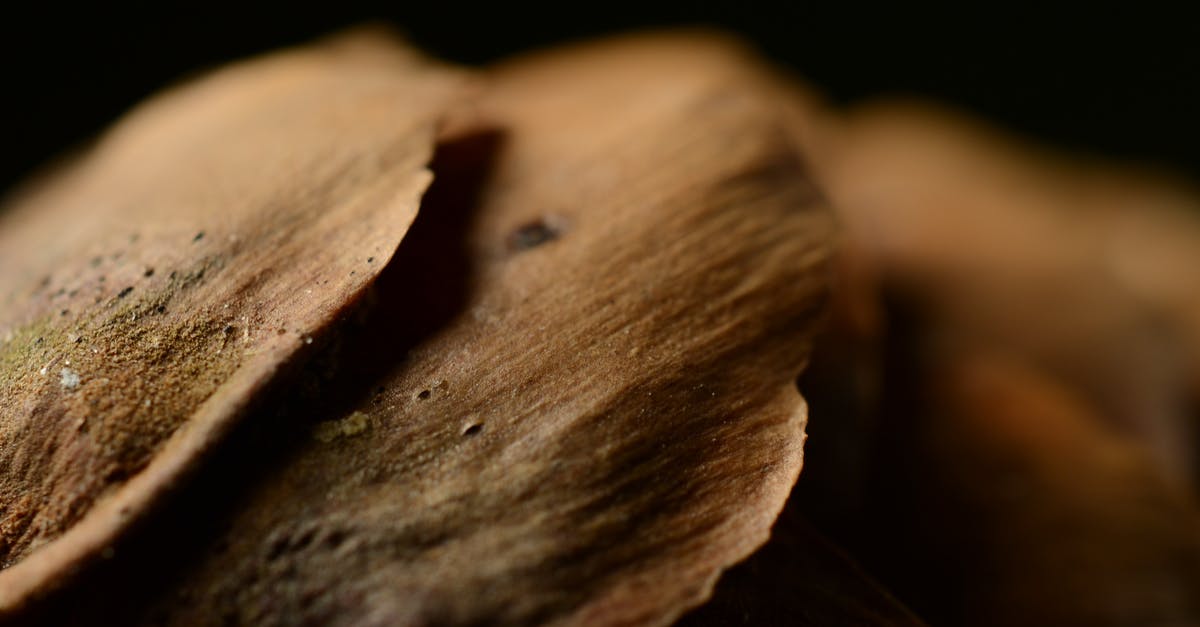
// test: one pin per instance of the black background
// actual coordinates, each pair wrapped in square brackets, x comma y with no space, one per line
[1122,84]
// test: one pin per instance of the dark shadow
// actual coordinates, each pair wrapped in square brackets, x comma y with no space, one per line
[424,287]
[800,579]
[809,572]
[862,483]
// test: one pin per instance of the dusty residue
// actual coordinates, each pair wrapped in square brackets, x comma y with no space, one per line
[106,388]
[349,426]
[69,379]
[145,281]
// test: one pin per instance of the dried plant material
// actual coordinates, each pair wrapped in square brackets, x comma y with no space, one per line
[1055,522]
[155,286]
[1045,487]
[607,417]
[1087,269]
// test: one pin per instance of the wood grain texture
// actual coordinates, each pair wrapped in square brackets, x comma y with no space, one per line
[607,418]
[151,288]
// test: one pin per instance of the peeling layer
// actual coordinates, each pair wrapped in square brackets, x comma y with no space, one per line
[151,288]
[604,418]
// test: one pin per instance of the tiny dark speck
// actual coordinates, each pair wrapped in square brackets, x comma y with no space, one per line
[424,394]
[532,235]
[37,341]
[148,273]
[228,329]
[472,430]
[199,236]
[370,259]
[125,292]
[173,274]
[64,312]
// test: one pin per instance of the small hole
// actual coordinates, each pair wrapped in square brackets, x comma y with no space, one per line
[532,235]
[424,394]
[370,260]
[277,548]
[472,430]
[304,540]
[335,538]
[125,292]
[282,331]
[199,236]
[148,273]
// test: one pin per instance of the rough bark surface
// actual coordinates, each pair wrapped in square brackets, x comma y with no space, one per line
[151,288]
[606,419]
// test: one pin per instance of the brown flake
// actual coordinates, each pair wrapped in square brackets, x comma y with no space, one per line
[603,420]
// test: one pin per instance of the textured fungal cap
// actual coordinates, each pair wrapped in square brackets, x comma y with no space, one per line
[607,417]
[154,286]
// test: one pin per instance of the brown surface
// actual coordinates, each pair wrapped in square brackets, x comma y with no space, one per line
[152,287]
[1055,521]
[1029,449]
[1087,268]
[607,416]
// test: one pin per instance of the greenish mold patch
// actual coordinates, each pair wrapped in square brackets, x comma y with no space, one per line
[87,398]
